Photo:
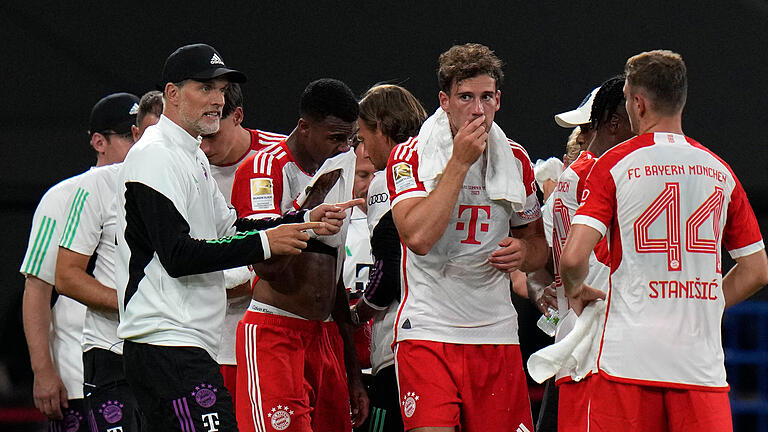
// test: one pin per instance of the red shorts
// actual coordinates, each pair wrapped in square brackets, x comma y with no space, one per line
[573,405]
[229,373]
[475,387]
[623,407]
[290,375]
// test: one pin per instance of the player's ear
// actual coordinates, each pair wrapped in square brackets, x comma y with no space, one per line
[444,98]
[303,126]
[237,116]
[614,123]
[99,142]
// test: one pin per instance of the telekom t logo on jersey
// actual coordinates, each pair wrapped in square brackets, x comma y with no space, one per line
[475,213]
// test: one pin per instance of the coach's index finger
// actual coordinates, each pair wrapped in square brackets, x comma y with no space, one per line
[306,226]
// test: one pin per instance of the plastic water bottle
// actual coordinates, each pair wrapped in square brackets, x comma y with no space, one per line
[549,324]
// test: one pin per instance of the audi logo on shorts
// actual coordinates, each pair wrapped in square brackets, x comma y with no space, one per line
[378,198]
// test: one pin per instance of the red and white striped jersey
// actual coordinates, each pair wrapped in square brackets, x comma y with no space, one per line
[225,174]
[566,198]
[666,204]
[453,294]
[225,178]
[268,182]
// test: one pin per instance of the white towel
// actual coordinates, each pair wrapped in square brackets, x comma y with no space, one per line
[502,175]
[237,276]
[340,192]
[549,169]
[577,352]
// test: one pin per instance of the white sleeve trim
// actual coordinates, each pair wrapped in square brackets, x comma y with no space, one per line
[265,245]
[412,194]
[590,222]
[747,250]
[312,233]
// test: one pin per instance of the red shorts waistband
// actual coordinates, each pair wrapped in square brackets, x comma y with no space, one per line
[303,325]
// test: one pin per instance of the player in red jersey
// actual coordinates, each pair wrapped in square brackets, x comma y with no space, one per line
[667,204]
[225,150]
[296,364]
[610,124]
[457,353]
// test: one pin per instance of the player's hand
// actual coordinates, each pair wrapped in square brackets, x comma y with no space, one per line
[358,401]
[586,295]
[510,255]
[290,239]
[332,215]
[49,393]
[547,299]
[470,141]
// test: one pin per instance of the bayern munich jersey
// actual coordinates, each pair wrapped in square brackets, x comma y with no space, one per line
[566,198]
[67,315]
[268,182]
[91,229]
[666,204]
[225,174]
[358,259]
[225,177]
[382,329]
[453,294]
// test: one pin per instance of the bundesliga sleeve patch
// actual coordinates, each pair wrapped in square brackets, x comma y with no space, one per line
[403,175]
[262,197]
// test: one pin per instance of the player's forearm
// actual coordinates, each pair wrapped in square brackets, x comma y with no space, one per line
[36,318]
[424,223]
[574,261]
[255,223]
[343,318]
[537,252]
[572,274]
[747,277]
[73,282]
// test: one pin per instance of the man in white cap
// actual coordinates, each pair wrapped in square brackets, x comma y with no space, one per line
[541,283]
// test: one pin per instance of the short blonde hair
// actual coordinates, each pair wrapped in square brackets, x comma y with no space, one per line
[572,147]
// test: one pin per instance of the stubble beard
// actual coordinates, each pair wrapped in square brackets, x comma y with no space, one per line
[198,124]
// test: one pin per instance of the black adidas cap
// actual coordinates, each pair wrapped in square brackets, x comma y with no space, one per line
[115,112]
[199,62]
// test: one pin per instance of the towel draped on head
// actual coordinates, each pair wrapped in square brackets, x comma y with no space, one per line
[503,178]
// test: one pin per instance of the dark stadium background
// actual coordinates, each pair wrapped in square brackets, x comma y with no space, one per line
[58,58]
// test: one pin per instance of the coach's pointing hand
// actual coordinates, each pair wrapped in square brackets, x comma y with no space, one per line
[290,239]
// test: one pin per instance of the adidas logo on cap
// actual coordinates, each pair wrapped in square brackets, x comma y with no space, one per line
[216,59]
[134,109]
